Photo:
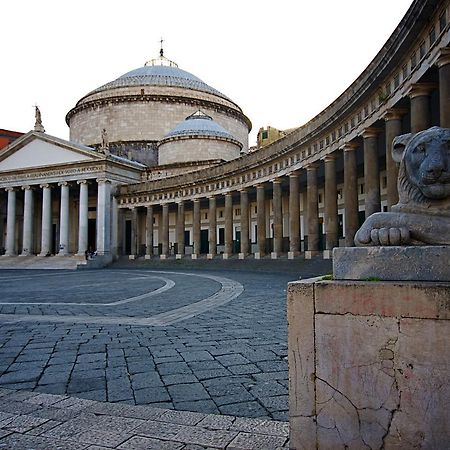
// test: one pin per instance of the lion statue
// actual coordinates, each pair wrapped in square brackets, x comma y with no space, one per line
[422,215]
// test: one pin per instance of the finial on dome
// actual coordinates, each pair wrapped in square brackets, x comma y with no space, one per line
[162,60]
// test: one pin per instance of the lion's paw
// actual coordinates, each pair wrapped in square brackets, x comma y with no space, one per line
[390,236]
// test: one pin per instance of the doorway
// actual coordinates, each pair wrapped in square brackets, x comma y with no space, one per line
[204,244]
[92,234]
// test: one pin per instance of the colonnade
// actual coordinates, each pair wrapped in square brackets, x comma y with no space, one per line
[49,193]
[360,158]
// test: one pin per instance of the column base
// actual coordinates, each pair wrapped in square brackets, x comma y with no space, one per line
[131,256]
[257,255]
[242,255]
[226,255]
[274,255]
[311,253]
[328,254]
[292,255]
[43,254]
[10,254]
[148,257]
[179,256]
[162,256]
[210,256]
[26,254]
[194,256]
[62,254]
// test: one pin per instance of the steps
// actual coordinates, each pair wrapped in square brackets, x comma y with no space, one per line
[45,262]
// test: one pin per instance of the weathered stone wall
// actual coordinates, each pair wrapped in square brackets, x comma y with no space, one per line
[369,364]
[198,149]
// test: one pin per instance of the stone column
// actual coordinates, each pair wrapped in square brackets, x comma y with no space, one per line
[114,227]
[277,219]
[83,218]
[245,228]
[103,217]
[149,233]
[180,230]
[46,232]
[212,228]
[228,225]
[261,221]
[443,64]
[312,211]
[196,240]
[165,231]
[134,234]
[420,106]
[371,172]
[294,216]
[64,220]
[28,211]
[331,206]
[393,121]
[11,223]
[350,194]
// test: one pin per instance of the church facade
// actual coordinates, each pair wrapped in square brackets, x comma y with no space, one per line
[158,163]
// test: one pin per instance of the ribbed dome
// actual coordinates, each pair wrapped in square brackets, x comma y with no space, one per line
[159,75]
[199,124]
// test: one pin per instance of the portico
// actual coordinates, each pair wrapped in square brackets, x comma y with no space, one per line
[57,197]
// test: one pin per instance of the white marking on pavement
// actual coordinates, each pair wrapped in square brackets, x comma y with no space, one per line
[229,290]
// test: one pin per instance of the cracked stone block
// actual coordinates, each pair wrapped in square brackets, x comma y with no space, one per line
[256,441]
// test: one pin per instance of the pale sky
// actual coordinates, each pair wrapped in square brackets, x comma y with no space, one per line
[281,61]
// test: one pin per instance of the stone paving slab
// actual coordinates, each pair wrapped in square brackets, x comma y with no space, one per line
[100,426]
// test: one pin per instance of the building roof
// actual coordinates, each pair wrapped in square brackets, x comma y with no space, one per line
[160,75]
[199,125]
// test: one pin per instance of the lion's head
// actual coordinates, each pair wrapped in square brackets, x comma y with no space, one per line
[424,159]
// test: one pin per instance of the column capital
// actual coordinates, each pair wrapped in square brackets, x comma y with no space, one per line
[276,181]
[45,185]
[294,174]
[350,146]
[27,188]
[421,89]
[370,132]
[196,200]
[82,182]
[63,183]
[395,114]
[312,166]
[102,180]
[330,157]
[443,57]
[244,189]
[259,186]
[212,196]
[10,189]
[228,194]
[179,201]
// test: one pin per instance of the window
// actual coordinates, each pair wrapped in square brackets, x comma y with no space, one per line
[413,61]
[432,36]
[221,236]
[422,50]
[346,127]
[384,182]
[220,214]
[205,216]
[361,188]
[396,81]
[442,22]
[264,134]
[321,144]
[405,71]
[359,117]
[339,194]
[256,210]
[237,212]
[320,198]
[352,122]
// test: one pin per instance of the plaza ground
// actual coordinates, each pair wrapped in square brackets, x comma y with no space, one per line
[209,338]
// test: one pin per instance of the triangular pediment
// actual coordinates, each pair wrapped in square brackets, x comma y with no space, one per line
[33,151]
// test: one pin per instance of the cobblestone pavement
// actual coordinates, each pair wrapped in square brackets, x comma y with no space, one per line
[30,420]
[203,341]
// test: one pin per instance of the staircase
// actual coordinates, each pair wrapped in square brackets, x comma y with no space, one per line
[50,262]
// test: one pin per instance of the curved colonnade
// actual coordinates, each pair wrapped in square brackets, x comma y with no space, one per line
[310,190]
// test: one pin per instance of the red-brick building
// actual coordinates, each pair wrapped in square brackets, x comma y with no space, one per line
[7,136]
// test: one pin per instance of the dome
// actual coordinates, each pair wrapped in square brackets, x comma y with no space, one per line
[160,75]
[199,125]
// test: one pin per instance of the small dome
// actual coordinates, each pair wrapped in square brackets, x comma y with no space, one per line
[201,125]
[160,75]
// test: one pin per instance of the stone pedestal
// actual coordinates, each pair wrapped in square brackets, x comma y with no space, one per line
[369,364]
[428,263]
[293,255]
[194,256]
